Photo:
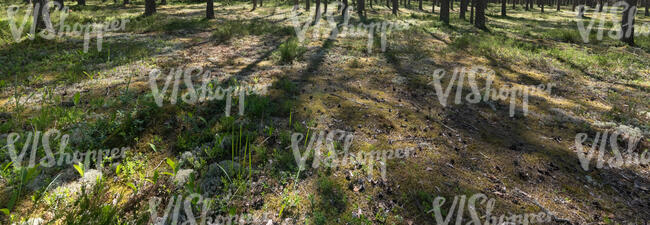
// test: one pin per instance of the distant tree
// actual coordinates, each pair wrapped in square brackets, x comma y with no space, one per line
[149,7]
[419,5]
[463,8]
[433,6]
[361,5]
[163,2]
[41,14]
[307,7]
[503,8]
[318,13]
[209,9]
[471,12]
[444,11]
[254,5]
[480,14]
[541,5]
[451,5]
[79,2]
[395,7]
[627,24]
[647,3]
[126,2]
[558,5]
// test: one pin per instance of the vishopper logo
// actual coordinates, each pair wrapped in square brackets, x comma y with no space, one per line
[618,160]
[334,30]
[332,159]
[196,202]
[513,219]
[208,91]
[50,33]
[601,18]
[488,93]
[32,140]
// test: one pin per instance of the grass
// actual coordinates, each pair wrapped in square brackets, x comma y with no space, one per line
[348,88]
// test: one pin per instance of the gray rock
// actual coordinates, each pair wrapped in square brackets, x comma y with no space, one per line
[182,176]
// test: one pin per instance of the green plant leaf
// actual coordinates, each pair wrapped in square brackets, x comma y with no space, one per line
[171,164]
[132,186]
[153,147]
[118,169]
[79,168]
[76,99]
[5,211]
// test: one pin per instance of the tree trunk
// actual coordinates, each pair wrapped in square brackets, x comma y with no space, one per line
[420,5]
[558,5]
[647,3]
[149,7]
[463,9]
[126,2]
[451,5]
[41,14]
[307,5]
[318,13]
[345,7]
[471,12]
[526,2]
[433,6]
[542,6]
[627,23]
[503,8]
[480,14]
[254,5]
[163,2]
[395,7]
[360,7]
[325,6]
[209,10]
[79,2]
[444,11]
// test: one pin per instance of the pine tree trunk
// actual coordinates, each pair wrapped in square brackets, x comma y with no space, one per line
[503,8]
[163,2]
[325,6]
[647,3]
[451,5]
[558,5]
[126,2]
[318,13]
[463,9]
[526,2]
[307,5]
[471,12]
[209,10]
[395,7]
[420,5]
[444,11]
[79,2]
[433,6]
[40,19]
[345,7]
[627,23]
[360,7]
[480,14]
[542,5]
[149,7]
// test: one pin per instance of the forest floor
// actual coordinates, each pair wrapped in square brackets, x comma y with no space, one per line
[386,100]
